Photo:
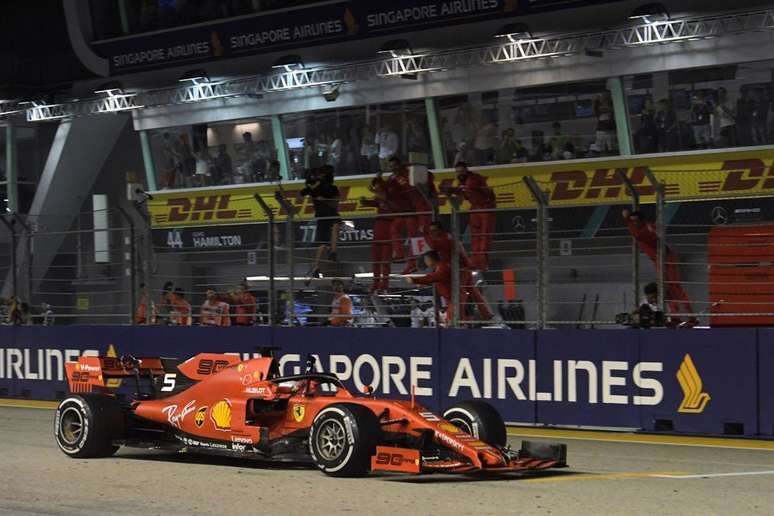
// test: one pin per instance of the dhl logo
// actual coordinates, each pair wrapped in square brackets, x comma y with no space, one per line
[694,399]
[201,208]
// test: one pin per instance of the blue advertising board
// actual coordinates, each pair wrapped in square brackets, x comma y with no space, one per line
[305,26]
[709,379]
[699,381]
[766,381]
[493,365]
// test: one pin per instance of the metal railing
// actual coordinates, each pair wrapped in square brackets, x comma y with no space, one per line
[544,265]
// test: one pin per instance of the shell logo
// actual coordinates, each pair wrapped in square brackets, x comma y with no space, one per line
[221,415]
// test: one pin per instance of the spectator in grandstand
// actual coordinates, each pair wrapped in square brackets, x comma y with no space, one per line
[441,277]
[603,111]
[760,116]
[486,140]
[179,308]
[559,144]
[387,140]
[666,126]
[725,114]
[745,107]
[510,150]
[341,307]
[651,296]
[700,120]
[381,245]
[644,233]
[243,304]
[646,137]
[221,172]
[141,312]
[172,161]
[214,311]
[400,199]
[369,152]
[473,188]
[464,153]
[540,151]
[325,197]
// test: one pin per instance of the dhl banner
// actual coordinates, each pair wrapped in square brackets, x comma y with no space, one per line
[689,177]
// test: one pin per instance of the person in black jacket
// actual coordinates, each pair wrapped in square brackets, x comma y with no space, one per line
[325,197]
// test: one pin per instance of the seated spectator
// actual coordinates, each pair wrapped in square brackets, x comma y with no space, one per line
[341,308]
[214,312]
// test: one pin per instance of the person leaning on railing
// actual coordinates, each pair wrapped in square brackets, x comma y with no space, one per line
[380,246]
[473,188]
[441,277]
[341,308]
[214,312]
[244,305]
[179,308]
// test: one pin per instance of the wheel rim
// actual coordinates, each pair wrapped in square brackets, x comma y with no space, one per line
[331,439]
[462,425]
[71,425]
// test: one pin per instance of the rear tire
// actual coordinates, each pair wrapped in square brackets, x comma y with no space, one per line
[86,425]
[479,419]
[343,439]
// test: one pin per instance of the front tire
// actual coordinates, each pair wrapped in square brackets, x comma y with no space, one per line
[479,419]
[343,439]
[85,426]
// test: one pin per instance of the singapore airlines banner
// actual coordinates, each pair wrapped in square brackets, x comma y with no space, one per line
[694,177]
[331,22]
[699,381]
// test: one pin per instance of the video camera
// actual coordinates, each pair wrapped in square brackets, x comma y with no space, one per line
[642,318]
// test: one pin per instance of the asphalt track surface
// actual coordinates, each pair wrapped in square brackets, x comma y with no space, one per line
[605,478]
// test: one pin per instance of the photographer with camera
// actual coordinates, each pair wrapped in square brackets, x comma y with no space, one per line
[648,315]
[325,197]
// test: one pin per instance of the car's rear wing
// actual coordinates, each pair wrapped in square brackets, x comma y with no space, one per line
[94,374]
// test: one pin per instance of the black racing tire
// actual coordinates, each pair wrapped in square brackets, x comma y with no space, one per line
[85,426]
[479,419]
[343,439]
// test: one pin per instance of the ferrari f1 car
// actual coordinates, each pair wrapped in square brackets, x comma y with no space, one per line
[218,403]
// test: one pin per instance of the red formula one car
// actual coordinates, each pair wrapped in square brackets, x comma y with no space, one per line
[220,404]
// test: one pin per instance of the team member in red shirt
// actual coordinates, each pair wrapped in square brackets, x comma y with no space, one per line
[647,240]
[442,242]
[243,303]
[400,199]
[381,246]
[473,188]
[441,277]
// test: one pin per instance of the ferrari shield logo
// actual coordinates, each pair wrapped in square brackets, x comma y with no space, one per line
[199,418]
[298,412]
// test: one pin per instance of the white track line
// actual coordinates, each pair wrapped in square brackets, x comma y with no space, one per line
[714,475]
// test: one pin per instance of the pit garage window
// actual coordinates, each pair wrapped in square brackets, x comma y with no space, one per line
[223,153]
[702,108]
[553,122]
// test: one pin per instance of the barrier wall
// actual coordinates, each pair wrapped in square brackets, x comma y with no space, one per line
[709,382]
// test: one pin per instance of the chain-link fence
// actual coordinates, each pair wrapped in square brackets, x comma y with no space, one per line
[550,263]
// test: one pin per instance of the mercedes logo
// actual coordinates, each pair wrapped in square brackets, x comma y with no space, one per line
[517,223]
[719,215]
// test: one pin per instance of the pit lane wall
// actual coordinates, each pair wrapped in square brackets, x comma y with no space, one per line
[718,381]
